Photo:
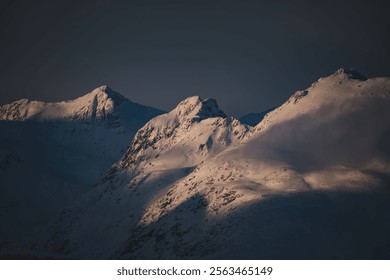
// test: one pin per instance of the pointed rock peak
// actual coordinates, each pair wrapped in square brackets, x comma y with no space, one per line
[105,92]
[351,73]
[197,109]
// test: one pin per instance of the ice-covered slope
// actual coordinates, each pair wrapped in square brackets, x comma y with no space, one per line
[51,153]
[166,149]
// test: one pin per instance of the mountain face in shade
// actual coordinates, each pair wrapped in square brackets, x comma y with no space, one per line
[310,181]
[253,119]
[51,153]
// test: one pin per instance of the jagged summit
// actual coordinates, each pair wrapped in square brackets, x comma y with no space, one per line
[195,130]
[197,109]
[350,73]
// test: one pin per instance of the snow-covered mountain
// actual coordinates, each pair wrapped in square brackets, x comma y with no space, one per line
[51,153]
[311,180]
[102,104]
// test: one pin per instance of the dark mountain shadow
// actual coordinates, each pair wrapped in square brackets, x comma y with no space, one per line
[94,205]
[45,167]
[175,235]
[314,225]
[310,225]
[253,119]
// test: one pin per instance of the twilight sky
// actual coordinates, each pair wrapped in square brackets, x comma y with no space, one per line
[249,55]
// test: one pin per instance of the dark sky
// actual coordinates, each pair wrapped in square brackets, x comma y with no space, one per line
[249,55]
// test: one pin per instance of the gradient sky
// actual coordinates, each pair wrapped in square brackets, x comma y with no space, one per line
[249,55]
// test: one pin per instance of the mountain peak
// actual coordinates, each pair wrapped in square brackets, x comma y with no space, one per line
[197,109]
[187,105]
[350,73]
[104,92]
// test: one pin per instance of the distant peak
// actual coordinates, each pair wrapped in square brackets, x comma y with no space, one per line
[197,109]
[350,73]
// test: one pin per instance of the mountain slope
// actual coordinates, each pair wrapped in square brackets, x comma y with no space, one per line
[51,153]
